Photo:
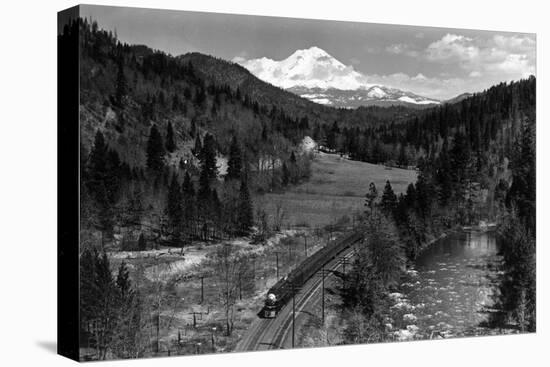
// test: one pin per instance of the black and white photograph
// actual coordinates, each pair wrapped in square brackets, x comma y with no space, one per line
[254,183]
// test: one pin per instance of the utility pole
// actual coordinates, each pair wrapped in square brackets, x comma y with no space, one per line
[293,312]
[202,289]
[289,255]
[213,339]
[240,288]
[323,294]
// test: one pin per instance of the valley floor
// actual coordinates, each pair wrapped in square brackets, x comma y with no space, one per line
[336,189]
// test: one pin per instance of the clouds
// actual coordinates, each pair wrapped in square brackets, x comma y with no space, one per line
[451,48]
[401,49]
[462,63]
[511,56]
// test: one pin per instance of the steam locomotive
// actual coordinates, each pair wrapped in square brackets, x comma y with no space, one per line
[282,291]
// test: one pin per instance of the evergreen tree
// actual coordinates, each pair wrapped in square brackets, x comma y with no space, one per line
[121,84]
[99,184]
[286,175]
[459,157]
[234,163]
[208,157]
[371,197]
[170,144]
[245,209]
[188,191]
[197,149]
[98,157]
[105,305]
[385,249]
[174,208]
[444,175]
[410,196]
[155,150]
[402,160]
[388,203]
[88,291]
[142,242]
[424,195]
[292,158]
[123,279]
[204,185]
[522,192]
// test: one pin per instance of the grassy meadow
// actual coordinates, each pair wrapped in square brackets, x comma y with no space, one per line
[337,188]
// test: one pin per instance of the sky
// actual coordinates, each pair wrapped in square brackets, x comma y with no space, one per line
[433,62]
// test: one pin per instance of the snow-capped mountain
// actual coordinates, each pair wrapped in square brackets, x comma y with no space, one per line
[314,74]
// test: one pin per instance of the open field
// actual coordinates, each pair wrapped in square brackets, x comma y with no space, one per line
[337,188]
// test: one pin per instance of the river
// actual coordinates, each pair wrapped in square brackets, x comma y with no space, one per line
[449,290]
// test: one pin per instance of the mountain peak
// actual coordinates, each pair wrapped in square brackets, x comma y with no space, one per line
[313,51]
[311,71]
[310,68]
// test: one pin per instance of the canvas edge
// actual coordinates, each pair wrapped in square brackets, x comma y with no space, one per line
[68,182]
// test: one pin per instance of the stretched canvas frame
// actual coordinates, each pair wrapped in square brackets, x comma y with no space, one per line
[212,204]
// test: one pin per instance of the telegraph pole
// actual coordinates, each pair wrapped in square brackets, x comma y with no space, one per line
[323,294]
[202,289]
[293,312]
[277,262]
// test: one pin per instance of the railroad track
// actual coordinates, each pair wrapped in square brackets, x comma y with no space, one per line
[276,333]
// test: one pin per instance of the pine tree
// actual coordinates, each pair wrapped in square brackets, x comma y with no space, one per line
[460,160]
[444,176]
[174,208]
[208,157]
[204,185]
[88,291]
[155,150]
[123,280]
[170,144]
[197,150]
[98,182]
[388,203]
[371,197]
[424,195]
[189,206]
[286,175]
[245,209]
[410,196]
[522,192]
[234,163]
[121,85]
[403,159]
[292,158]
[98,157]
[142,242]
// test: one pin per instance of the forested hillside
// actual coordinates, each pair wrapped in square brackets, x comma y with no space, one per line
[478,164]
[162,145]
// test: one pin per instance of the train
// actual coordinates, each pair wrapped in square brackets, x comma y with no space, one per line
[281,292]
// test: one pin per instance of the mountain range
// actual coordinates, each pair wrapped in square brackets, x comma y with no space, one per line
[316,75]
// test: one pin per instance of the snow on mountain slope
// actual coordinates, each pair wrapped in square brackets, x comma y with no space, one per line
[310,68]
[316,75]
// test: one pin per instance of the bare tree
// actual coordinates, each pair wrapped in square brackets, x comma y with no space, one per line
[279,217]
[230,271]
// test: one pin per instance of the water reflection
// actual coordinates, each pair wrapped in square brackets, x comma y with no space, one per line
[449,290]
